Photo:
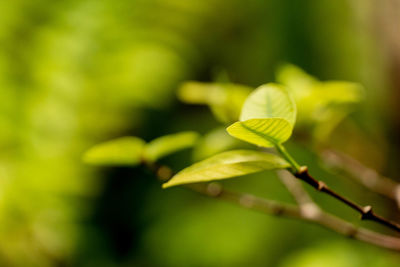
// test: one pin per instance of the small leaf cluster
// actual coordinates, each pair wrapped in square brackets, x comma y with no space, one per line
[264,117]
[132,151]
[322,105]
[224,99]
[267,120]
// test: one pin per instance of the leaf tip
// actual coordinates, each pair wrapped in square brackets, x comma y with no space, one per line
[166,185]
[230,127]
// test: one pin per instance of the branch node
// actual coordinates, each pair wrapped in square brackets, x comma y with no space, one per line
[366,213]
[310,210]
[352,232]
[164,173]
[214,189]
[247,201]
[397,194]
[278,211]
[321,186]
[302,170]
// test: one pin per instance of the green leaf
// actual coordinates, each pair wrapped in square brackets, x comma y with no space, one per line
[269,101]
[224,99]
[214,142]
[169,144]
[296,79]
[227,165]
[262,132]
[338,92]
[303,85]
[125,151]
[319,102]
[199,93]
[267,117]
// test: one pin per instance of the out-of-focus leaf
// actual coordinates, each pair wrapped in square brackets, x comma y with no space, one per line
[227,165]
[320,102]
[267,117]
[262,132]
[169,144]
[338,92]
[124,151]
[224,99]
[296,79]
[195,92]
[214,142]
[131,151]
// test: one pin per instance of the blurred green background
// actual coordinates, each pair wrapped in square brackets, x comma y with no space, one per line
[78,72]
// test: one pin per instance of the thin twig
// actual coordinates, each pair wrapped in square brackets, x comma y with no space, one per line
[362,174]
[366,212]
[284,210]
[295,188]
[271,207]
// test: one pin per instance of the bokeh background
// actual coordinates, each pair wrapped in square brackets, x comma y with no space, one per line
[78,72]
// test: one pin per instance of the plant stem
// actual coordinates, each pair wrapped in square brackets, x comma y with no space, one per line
[366,212]
[278,209]
[281,149]
[321,218]
[302,173]
[362,174]
[307,206]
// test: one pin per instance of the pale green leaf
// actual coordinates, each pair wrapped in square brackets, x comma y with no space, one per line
[227,165]
[316,99]
[124,151]
[214,142]
[192,92]
[297,80]
[166,145]
[224,99]
[269,101]
[267,117]
[338,92]
[262,132]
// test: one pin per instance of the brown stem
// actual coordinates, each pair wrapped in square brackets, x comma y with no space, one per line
[362,174]
[366,212]
[278,209]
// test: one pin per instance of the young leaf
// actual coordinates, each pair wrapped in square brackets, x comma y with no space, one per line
[338,92]
[262,132]
[192,92]
[169,144]
[296,79]
[303,85]
[227,165]
[214,142]
[269,101]
[125,151]
[267,117]
[224,99]
[322,105]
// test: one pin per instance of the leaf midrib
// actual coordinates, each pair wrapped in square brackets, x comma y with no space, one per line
[257,162]
[268,138]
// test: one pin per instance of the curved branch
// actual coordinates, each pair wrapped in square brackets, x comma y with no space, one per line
[362,174]
[366,212]
[324,219]
[271,207]
[307,206]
